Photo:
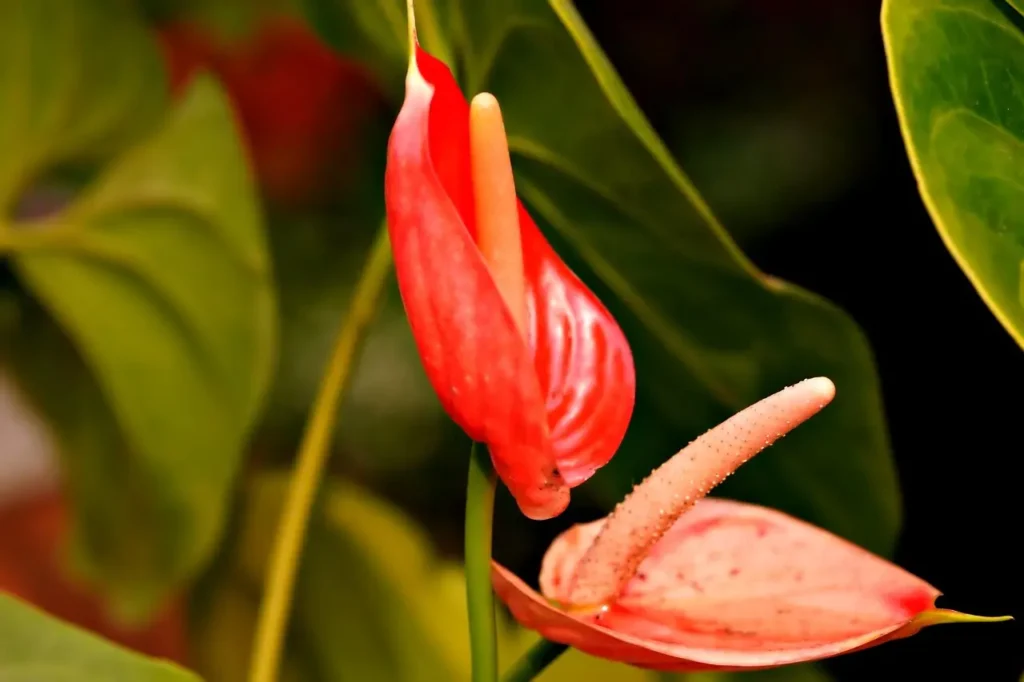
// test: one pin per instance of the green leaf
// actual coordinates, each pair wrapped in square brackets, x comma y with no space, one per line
[78,81]
[710,333]
[372,601]
[764,165]
[576,665]
[955,68]
[158,276]
[35,647]
[231,19]
[392,419]
[376,33]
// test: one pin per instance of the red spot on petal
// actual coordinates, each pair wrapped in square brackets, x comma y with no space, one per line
[912,601]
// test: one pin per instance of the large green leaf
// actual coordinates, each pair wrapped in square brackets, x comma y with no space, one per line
[956,69]
[711,334]
[35,647]
[78,80]
[158,276]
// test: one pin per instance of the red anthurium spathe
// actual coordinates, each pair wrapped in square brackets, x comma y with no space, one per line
[674,582]
[522,355]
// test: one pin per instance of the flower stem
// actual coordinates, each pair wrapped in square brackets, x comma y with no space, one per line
[291,532]
[533,662]
[480,595]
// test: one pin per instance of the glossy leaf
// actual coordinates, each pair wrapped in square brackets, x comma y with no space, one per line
[158,276]
[710,333]
[35,647]
[955,68]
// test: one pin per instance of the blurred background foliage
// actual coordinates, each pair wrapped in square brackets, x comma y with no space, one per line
[115,489]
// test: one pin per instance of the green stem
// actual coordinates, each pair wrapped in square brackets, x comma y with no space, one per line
[479,522]
[533,662]
[291,532]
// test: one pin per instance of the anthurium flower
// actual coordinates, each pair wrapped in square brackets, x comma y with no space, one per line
[674,582]
[522,355]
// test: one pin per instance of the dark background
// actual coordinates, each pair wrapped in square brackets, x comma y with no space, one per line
[830,203]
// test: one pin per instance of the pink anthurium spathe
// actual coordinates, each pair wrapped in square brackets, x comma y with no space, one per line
[522,355]
[674,582]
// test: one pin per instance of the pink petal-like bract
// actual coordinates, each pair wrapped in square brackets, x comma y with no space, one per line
[671,581]
[552,407]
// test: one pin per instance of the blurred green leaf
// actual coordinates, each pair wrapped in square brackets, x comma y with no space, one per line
[372,601]
[233,19]
[576,665]
[78,81]
[35,647]
[955,68]
[392,418]
[375,33]
[158,275]
[220,641]
[775,158]
[710,333]
[376,568]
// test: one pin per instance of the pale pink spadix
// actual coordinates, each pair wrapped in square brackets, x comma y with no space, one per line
[652,508]
[670,581]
